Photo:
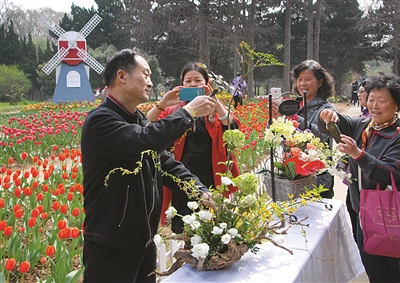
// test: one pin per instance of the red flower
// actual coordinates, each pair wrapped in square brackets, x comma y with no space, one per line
[75,212]
[24,155]
[8,231]
[32,222]
[306,168]
[3,225]
[10,264]
[61,224]
[50,250]
[24,267]
[10,160]
[75,232]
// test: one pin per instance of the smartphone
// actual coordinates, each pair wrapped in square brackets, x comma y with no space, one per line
[276,94]
[189,93]
[335,132]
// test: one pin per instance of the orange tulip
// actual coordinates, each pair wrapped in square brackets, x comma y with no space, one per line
[10,264]
[24,267]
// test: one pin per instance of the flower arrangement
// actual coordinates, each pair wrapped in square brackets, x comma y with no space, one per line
[297,153]
[219,235]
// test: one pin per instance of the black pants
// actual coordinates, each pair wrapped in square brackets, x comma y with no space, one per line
[353,216]
[238,100]
[111,265]
[379,268]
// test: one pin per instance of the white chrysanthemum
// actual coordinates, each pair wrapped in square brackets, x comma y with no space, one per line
[188,219]
[304,156]
[195,225]
[205,215]
[195,240]
[200,250]
[216,230]
[314,154]
[171,212]
[233,232]
[226,238]
[157,240]
[193,205]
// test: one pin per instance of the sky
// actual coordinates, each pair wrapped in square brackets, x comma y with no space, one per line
[56,5]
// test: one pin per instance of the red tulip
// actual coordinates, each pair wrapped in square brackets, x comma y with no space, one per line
[50,250]
[3,225]
[61,224]
[10,264]
[24,266]
[8,230]
[32,222]
[75,212]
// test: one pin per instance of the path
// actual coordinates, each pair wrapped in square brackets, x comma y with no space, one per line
[340,188]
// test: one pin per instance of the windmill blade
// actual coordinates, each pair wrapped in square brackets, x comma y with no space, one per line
[52,26]
[55,60]
[88,59]
[90,25]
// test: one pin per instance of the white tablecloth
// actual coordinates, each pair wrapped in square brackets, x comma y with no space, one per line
[328,253]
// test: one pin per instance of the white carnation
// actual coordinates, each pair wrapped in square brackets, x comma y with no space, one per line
[216,230]
[196,239]
[188,219]
[171,212]
[226,238]
[192,205]
[200,250]
[205,215]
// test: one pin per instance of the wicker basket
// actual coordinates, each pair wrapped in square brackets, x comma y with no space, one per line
[284,187]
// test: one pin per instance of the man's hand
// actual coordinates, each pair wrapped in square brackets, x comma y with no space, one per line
[201,106]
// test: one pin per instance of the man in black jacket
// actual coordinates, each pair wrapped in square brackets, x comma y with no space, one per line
[122,217]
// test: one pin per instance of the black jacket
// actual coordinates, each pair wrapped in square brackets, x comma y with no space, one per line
[127,212]
[381,156]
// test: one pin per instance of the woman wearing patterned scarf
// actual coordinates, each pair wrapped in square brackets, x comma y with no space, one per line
[374,146]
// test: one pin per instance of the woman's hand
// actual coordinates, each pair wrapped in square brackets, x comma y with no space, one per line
[349,146]
[275,110]
[328,115]
[207,89]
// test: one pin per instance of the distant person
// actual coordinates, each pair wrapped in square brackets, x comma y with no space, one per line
[354,97]
[103,94]
[238,89]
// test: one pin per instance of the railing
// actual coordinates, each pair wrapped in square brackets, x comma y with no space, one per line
[165,258]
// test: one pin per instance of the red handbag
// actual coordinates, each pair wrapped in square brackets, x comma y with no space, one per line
[380,220]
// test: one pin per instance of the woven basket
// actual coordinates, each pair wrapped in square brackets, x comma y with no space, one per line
[284,187]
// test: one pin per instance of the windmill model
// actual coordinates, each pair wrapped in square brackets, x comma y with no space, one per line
[72,76]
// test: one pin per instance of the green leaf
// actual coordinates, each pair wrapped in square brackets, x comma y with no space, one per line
[74,276]
[290,170]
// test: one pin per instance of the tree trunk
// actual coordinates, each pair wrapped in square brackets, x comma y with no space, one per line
[250,79]
[204,26]
[288,28]
[310,31]
[317,30]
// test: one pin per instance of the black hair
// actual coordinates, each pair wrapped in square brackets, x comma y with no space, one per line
[390,82]
[327,88]
[123,60]
[195,66]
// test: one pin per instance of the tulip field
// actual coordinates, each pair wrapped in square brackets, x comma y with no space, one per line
[41,187]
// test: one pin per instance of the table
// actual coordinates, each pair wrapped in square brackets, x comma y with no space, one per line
[328,253]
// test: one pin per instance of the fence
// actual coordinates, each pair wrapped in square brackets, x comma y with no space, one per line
[165,258]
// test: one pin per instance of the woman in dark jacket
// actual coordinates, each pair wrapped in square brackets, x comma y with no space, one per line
[314,81]
[373,145]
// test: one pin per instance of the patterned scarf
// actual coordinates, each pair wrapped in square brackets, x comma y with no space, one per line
[372,127]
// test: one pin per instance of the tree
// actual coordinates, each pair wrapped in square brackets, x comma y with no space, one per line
[383,25]
[14,84]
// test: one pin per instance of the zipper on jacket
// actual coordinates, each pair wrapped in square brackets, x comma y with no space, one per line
[125,206]
[152,206]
